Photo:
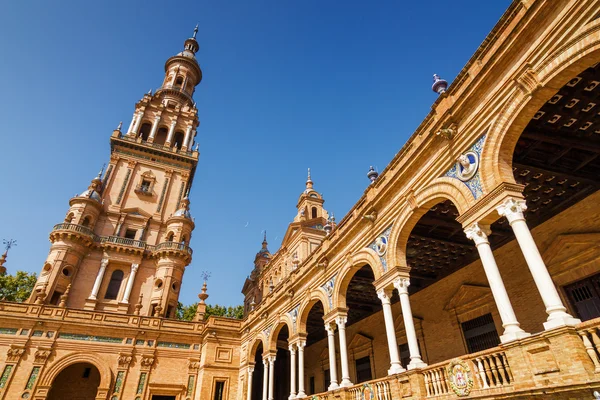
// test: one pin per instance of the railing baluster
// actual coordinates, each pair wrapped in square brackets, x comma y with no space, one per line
[427,388]
[494,369]
[501,370]
[590,350]
[482,373]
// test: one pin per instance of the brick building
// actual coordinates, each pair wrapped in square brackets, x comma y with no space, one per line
[468,268]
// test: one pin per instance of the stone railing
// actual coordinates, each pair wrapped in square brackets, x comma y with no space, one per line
[75,228]
[173,246]
[376,390]
[588,331]
[123,241]
[436,382]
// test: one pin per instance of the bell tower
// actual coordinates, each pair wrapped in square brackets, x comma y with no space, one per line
[124,244]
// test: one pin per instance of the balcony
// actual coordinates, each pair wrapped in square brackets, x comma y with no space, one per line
[68,230]
[174,249]
[144,190]
[123,244]
[560,363]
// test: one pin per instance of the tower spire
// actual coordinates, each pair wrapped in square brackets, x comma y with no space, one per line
[309,182]
[195,32]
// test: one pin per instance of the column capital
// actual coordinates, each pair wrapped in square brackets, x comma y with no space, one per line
[104,263]
[265,360]
[330,328]
[271,358]
[292,348]
[251,370]
[402,285]
[134,267]
[478,233]
[341,321]
[512,209]
[385,295]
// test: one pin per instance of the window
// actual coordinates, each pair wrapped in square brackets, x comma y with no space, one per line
[145,131]
[114,285]
[86,221]
[55,300]
[161,136]
[170,310]
[584,296]
[326,380]
[69,218]
[311,385]
[480,333]
[314,212]
[405,353]
[219,390]
[179,81]
[178,139]
[130,233]
[145,185]
[363,369]
[170,237]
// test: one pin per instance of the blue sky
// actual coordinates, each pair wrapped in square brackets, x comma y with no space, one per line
[331,85]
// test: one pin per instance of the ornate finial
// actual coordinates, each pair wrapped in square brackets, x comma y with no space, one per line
[372,174]
[149,92]
[265,237]
[439,85]
[120,126]
[8,244]
[195,31]
[138,306]
[101,171]
[309,182]
[64,297]
[196,149]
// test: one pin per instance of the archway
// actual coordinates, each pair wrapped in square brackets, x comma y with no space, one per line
[259,373]
[282,365]
[77,381]
[316,336]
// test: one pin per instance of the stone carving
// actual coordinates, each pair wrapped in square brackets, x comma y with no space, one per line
[147,361]
[42,355]
[193,365]
[466,165]
[124,360]
[460,377]
[14,354]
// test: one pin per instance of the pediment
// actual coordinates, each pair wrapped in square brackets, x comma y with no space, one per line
[136,212]
[360,340]
[324,354]
[468,295]
[572,248]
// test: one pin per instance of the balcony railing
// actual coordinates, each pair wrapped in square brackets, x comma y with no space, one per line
[173,246]
[75,228]
[123,241]
[156,145]
[144,190]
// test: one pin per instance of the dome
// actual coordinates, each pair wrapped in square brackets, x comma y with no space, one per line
[93,195]
[187,54]
[182,212]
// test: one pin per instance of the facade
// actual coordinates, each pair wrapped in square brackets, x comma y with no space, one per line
[470,267]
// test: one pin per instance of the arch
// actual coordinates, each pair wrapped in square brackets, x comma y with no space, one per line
[87,221]
[57,367]
[258,340]
[317,295]
[440,189]
[178,139]
[170,236]
[362,258]
[114,285]
[161,135]
[284,320]
[69,218]
[548,78]
[313,212]
[145,130]
[179,80]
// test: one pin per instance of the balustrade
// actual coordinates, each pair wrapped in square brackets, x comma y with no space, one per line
[588,331]
[492,370]
[123,241]
[75,228]
[436,381]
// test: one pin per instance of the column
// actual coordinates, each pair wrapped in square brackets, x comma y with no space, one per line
[512,330]
[513,209]
[271,377]
[301,345]
[99,277]
[154,128]
[187,137]
[395,366]
[136,127]
[341,324]
[292,371]
[330,328]
[265,378]
[134,268]
[409,326]
[170,135]
[133,119]
[249,386]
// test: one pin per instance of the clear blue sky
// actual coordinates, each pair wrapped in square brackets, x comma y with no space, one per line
[331,85]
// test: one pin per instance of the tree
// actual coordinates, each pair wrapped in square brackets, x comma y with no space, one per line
[17,287]
[187,313]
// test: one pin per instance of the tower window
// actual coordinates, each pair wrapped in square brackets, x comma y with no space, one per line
[145,130]
[179,81]
[170,237]
[130,233]
[314,212]
[178,139]
[161,136]
[69,218]
[86,221]
[114,285]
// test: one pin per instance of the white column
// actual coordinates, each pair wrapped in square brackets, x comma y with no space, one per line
[249,385]
[154,128]
[513,209]
[271,377]
[187,137]
[136,127]
[265,378]
[330,328]
[301,392]
[292,371]
[341,324]
[99,277]
[409,326]
[395,366]
[134,268]
[133,119]
[170,135]
[512,330]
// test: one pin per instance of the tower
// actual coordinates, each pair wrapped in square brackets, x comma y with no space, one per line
[124,244]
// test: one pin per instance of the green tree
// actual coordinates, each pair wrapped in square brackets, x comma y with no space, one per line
[17,287]
[188,312]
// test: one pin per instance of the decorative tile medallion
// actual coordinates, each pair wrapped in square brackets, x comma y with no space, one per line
[379,246]
[466,168]
[294,317]
[267,332]
[32,377]
[367,392]
[460,377]
[328,287]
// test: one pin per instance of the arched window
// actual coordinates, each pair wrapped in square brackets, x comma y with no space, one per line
[314,212]
[170,237]
[114,285]
[179,81]
[161,136]
[69,218]
[145,130]
[86,221]
[178,139]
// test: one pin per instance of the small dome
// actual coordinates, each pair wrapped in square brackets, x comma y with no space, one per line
[188,54]
[182,212]
[93,195]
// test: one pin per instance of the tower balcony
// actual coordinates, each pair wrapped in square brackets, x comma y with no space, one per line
[73,231]
[154,148]
[123,244]
[172,249]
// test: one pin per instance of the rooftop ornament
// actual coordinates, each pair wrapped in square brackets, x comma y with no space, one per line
[372,174]
[439,85]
